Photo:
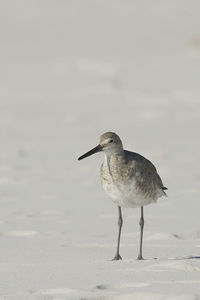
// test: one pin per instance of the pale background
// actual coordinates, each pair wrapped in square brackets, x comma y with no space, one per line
[69,71]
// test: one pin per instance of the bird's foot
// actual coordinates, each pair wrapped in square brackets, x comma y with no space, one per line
[117,257]
[140,257]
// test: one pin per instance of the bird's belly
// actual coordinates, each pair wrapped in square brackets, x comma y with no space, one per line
[125,195]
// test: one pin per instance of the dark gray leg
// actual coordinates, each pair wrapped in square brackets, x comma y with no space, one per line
[120,222]
[141,233]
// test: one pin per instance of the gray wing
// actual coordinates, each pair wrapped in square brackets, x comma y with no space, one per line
[145,173]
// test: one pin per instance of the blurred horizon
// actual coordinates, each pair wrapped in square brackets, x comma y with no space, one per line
[148,46]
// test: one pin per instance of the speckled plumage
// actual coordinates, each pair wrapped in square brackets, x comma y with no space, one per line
[130,179]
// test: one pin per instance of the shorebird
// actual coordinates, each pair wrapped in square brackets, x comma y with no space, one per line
[128,178]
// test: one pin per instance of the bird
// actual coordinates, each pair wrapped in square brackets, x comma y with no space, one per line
[129,179]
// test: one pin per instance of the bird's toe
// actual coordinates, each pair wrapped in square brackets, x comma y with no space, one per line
[117,257]
[140,257]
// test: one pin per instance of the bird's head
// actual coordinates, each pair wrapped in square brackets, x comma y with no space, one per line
[110,144]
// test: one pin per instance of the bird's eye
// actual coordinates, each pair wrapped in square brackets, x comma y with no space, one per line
[111,141]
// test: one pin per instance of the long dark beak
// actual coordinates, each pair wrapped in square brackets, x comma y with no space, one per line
[93,151]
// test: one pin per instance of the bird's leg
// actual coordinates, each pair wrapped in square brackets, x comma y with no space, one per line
[120,222]
[141,233]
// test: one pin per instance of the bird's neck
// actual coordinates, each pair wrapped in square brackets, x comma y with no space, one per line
[110,154]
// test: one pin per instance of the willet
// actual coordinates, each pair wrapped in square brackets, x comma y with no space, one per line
[128,178]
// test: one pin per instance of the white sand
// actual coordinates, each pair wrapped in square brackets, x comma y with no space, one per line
[71,70]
